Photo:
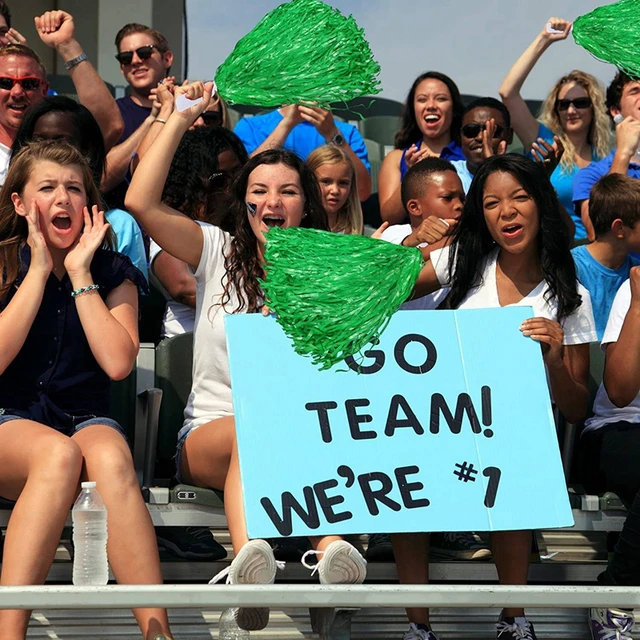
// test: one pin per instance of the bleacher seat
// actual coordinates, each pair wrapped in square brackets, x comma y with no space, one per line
[382,129]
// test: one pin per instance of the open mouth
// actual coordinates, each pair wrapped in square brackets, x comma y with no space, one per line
[62,222]
[432,118]
[273,220]
[18,108]
[512,230]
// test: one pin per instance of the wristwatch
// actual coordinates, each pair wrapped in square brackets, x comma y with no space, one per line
[75,61]
[337,140]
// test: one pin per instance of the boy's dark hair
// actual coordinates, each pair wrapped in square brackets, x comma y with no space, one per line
[614,196]
[419,174]
[5,13]
[489,103]
[136,27]
[615,89]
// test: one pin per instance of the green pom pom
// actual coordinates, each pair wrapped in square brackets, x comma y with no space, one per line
[332,313]
[612,34]
[301,51]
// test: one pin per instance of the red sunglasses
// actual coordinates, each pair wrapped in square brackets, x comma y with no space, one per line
[28,83]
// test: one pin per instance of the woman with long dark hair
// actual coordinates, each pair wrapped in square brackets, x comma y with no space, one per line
[430,127]
[274,189]
[512,247]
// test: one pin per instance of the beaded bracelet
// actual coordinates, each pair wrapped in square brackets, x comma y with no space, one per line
[81,290]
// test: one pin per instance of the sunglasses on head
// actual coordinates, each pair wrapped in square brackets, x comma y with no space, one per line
[28,83]
[211,118]
[144,53]
[472,130]
[578,103]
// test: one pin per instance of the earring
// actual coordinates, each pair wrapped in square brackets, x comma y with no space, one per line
[304,215]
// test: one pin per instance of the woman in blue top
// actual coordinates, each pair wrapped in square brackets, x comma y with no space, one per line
[574,111]
[430,127]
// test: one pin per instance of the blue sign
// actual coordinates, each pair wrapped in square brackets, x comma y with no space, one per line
[447,426]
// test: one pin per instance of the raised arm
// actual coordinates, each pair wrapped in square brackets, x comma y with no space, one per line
[56,29]
[176,234]
[522,120]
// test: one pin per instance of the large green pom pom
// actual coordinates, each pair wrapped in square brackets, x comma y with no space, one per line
[334,294]
[612,34]
[301,51]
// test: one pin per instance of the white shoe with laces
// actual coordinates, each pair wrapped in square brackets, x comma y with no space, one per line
[515,629]
[254,564]
[340,564]
[416,633]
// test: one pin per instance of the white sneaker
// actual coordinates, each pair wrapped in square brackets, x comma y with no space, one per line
[340,564]
[610,624]
[254,564]
[415,633]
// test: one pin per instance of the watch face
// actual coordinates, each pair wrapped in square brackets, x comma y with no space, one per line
[338,139]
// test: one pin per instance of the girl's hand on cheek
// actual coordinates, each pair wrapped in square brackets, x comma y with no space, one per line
[78,260]
[40,255]
[549,334]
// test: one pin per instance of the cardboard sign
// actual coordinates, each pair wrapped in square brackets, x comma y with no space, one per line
[447,426]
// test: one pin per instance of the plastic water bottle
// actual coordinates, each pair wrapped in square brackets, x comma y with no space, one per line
[228,628]
[90,566]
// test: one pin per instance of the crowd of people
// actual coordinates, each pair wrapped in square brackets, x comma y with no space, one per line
[100,197]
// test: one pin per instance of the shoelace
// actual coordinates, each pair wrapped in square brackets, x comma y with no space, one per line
[623,624]
[522,632]
[415,633]
[280,565]
[313,567]
[466,539]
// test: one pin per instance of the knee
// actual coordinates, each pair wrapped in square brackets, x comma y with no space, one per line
[113,461]
[63,460]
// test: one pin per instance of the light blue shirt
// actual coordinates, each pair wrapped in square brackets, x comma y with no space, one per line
[130,242]
[601,282]
[463,173]
[302,140]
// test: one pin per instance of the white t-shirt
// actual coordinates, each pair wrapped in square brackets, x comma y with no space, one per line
[579,327]
[395,234]
[5,156]
[605,411]
[178,318]
[210,396]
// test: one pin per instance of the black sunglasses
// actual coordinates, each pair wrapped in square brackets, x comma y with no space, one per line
[211,118]
[144,53]
[578,103]
[472,130]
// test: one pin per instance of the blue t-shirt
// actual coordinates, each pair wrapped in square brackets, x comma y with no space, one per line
[562,180]
[453,151]
[129,236]
[462,169]
[303,139]
[601,282]
[588,176]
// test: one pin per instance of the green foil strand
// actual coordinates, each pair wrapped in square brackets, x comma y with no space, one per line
[612,34]
[334,294]
[302,51]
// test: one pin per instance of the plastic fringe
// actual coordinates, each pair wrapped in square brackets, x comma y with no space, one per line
[612,34]
[334,294]
[302,51]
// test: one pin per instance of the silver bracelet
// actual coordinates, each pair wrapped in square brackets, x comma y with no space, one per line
[75,61]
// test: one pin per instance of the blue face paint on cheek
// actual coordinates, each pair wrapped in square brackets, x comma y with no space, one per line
[252,209]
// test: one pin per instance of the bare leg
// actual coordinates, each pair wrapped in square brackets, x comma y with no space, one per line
[320,543]
[411,551]
[511,552]
[210,459]
[132,548]
[39,468]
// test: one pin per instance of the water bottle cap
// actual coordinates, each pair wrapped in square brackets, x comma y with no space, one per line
[88,485]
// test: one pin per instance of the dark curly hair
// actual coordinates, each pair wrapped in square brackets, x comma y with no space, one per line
[87,134]
[242,263]
[615,89]
[192,185]
[472,241]
[409,131]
